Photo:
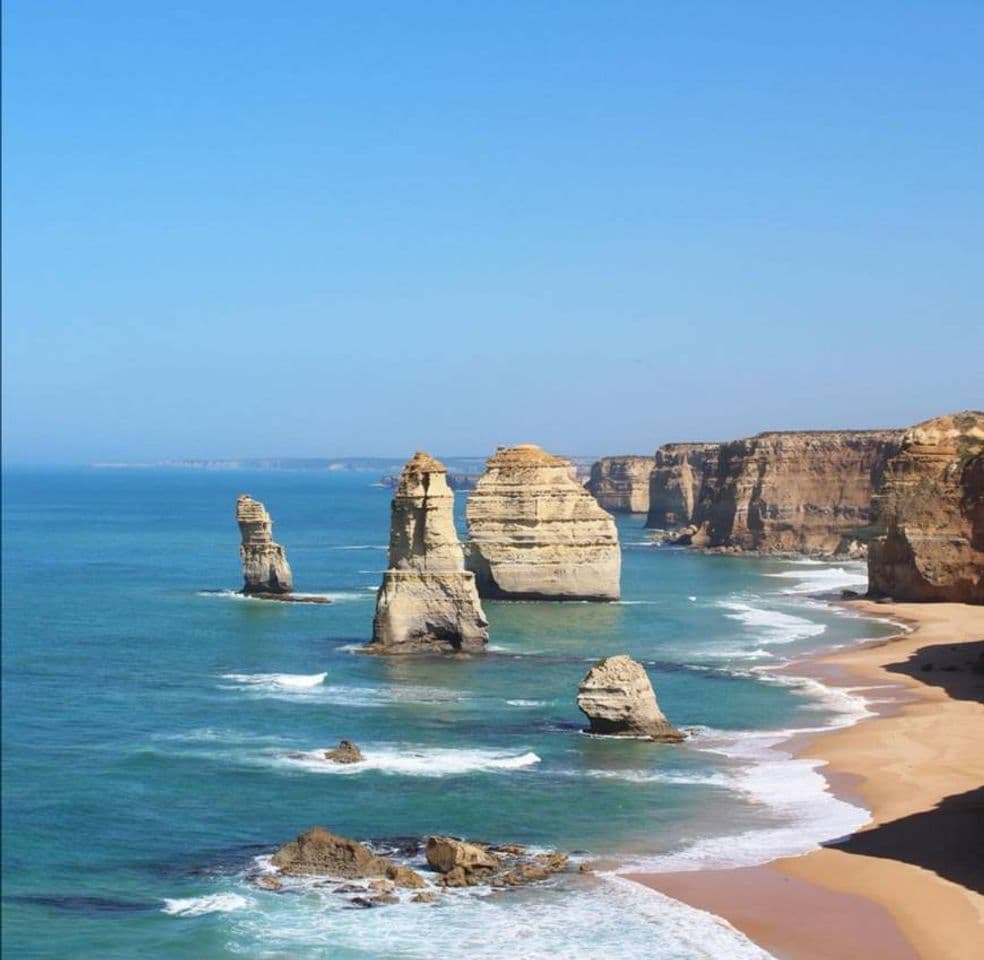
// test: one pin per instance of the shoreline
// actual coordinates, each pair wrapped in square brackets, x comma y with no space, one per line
[903,886]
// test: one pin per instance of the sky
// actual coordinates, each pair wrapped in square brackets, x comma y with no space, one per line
[333,228]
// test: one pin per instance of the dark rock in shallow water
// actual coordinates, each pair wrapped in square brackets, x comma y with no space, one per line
[345,752]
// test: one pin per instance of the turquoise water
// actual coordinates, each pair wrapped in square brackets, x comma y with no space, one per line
[160,733]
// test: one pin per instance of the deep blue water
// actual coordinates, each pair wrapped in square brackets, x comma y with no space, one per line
[156,736]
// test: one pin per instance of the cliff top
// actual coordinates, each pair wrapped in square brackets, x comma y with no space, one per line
[248,509]
[524,455]
[422,462]
[965,430]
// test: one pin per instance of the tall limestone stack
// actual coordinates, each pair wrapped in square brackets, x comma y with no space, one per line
[675,482]
[534,533]
[265,567]
[428,601]
[621,484]
[931,508]
[804,492]
[618,699]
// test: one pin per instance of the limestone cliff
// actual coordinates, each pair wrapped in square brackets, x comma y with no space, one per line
[930,508]
[535,533]
[806,492]
[621,484]
[675,482]
[428,601]
[265,567]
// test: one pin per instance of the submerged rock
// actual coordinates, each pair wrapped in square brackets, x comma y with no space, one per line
[618,699]
[345,752]
[265,567]
[428,601]
[535,533]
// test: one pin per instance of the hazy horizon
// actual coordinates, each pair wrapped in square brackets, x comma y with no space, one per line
[232,230]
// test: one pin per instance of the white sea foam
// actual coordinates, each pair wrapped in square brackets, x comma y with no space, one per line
[581,919]
[657,776]
[824,579]
[527,703]
[300,687]
[412,761]
[771,626]
[211,903]
[278,681]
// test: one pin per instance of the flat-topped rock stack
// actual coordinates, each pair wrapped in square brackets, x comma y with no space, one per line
[535,533]
[931,509]
[428,601]
[621,484]
[265,567]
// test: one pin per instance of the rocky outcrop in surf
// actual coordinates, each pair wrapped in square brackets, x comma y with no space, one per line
[930,514]
[265,568]
[621,484]
[535,533]
[618,699]
[319,852]
[428,601]
[377,876]
[675,482]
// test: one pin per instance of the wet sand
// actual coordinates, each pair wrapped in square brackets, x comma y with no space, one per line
[911,883]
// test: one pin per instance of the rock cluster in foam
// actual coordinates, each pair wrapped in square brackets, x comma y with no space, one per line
[930,508]
[535,533]
[265,567]
[427,601]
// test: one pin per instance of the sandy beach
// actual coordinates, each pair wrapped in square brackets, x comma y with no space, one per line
[910,884]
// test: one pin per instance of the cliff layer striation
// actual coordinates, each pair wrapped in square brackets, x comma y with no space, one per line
[428,601]
[930,509]
[535,533]
[621,484]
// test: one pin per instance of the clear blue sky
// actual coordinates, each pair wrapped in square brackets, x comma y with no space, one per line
[329,228]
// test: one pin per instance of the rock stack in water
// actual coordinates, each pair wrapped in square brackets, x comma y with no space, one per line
[265,567]
[535,533]
[428,601]
[930,508]
[618,700]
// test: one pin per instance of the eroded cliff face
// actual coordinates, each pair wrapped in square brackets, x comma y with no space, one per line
[621,484]
[428,601]
[931,508]
[675,482]
[265,567]
[535,533]
[808,492]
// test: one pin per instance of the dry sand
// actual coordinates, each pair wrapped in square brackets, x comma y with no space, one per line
[911,883]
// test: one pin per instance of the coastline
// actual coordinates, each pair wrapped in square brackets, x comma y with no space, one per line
[904,885]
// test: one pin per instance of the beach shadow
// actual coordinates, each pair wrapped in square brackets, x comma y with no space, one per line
[949,840]
[957,669]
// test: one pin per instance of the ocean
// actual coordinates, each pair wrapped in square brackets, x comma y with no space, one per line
[162,735]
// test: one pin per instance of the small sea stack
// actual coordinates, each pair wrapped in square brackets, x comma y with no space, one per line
[265,568]
[618,699]
[428,602]
[535,533]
